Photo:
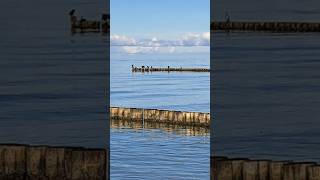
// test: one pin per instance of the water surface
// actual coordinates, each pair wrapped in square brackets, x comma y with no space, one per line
[157,151]
[266,93]
[51,89]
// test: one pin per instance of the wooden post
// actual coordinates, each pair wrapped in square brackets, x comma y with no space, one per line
[250,170]
[55,163]
[214,166]
[276,170]
[12,161]
[313,172]
[237,168]
[224,170]
[296,171]
[264,169]
[36,159]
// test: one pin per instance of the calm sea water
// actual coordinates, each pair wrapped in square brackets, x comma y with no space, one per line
[267,97]
[50,82]
[266,85]
[153,152]
[187,91]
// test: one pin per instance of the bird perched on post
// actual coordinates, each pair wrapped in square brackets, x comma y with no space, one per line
[73,18]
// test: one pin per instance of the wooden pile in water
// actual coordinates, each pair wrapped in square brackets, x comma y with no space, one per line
[266,26]
[19,162]
[161,116]
[167,69]
[223,168]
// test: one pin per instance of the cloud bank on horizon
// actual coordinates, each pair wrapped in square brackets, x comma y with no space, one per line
[190,42]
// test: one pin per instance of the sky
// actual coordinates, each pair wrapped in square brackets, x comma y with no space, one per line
[152,26]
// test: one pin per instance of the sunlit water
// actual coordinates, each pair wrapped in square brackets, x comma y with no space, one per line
[154,152]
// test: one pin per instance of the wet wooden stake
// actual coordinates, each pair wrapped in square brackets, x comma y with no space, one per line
[313,172]
[237,168]
[276,170]
[264,167]
[215,166]
[12,162]
[250,170]
[296,171]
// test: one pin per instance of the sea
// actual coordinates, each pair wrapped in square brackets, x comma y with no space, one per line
[52,88]
[140,151]
[265,85]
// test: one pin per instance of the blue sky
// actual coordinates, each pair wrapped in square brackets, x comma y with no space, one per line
[165,18]
[157,23]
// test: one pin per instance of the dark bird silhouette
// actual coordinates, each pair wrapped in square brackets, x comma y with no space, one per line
[71,13]
[105,17]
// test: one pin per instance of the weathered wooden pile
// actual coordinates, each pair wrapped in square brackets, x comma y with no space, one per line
[161,116]
[266,26]
[167,69]
[24,162]
[223,168]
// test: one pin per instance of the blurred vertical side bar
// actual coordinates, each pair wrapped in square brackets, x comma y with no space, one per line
[108,86]
[211,93]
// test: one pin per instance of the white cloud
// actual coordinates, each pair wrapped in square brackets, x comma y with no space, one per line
[117,40]
[193,39]
[133,46]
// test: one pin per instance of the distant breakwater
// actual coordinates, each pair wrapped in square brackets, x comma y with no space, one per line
[223,168]
[83,25]
[167,69]
[161,116]
[25,162]
[266,26]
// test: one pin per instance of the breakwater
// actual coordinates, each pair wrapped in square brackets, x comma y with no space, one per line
[83,25]
[223,168]
[167,69]
[25,162]
[161,116]
[266,26]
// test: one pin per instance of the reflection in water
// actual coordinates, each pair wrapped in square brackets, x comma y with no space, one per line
[158,151]
[176,129]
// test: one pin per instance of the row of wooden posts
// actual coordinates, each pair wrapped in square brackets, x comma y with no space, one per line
[266,26]
[25,162]
[83,25]
[223,168]
[161,116]
[168,69]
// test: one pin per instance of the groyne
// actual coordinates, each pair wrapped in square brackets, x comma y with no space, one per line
[167,69]
[25,162]
[223,168]
[83,25]
[265,26]
[161,116]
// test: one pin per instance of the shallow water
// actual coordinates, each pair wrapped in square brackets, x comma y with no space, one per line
[150,152]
